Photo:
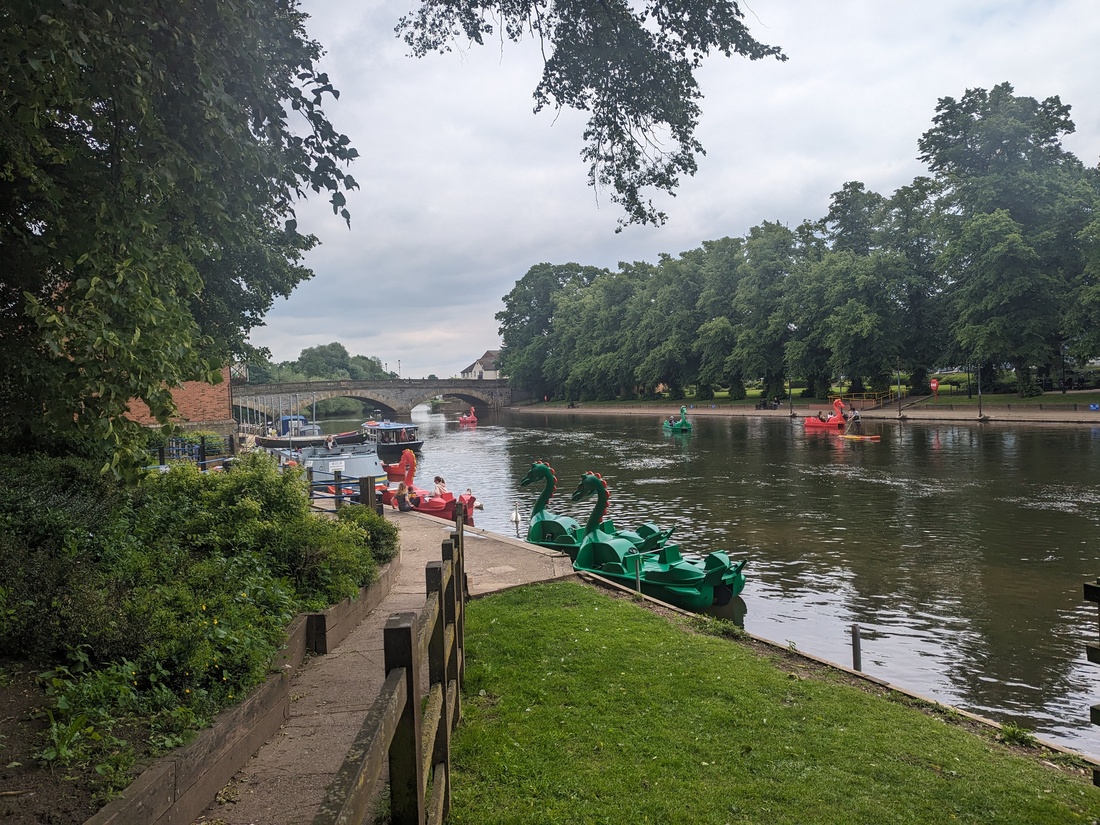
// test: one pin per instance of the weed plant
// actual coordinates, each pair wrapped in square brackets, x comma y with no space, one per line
[584,708]
[155,606]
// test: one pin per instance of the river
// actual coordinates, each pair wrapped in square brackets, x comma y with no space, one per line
[959,549]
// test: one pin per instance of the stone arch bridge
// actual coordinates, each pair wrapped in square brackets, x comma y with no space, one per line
[392,396]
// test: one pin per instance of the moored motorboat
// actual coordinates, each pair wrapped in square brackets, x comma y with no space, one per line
[691,581]
[352,461]
[672,424]
[836,421]
[391,438]
[293,442]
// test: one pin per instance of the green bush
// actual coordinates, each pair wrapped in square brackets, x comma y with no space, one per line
[169,600]
[381,535]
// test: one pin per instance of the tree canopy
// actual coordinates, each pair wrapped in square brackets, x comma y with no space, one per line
[150,158]
[629,65]
[992,260]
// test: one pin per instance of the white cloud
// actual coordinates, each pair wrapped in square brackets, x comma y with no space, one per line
[463,189]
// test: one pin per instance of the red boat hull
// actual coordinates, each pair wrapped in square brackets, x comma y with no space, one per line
[439,506]
[818,424]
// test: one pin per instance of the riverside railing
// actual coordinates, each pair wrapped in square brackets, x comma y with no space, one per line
[339,489]
[409,726]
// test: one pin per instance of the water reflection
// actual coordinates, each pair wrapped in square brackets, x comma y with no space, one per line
[959,549]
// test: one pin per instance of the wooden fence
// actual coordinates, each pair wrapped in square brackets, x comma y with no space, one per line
[1092,653]
[409,725]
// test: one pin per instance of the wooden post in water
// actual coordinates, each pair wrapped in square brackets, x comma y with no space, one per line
[857,654]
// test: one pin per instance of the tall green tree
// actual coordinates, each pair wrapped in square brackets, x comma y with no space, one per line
[149,166]
[771,253]
[668,321]
[1004,300]
[629,65]
[912,229]
[854,222]
[994,151]
[325,361]
[723,268]
[527,322]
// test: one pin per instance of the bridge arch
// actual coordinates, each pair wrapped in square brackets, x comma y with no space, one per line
[394,397]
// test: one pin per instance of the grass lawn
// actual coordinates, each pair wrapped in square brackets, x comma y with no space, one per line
[582,707]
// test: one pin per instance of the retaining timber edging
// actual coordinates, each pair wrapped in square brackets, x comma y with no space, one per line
[177,787]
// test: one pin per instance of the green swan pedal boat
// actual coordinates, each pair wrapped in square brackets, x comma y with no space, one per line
[564,533]
[692,581]
[672,424]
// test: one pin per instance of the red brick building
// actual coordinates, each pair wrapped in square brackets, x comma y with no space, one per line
[202,406]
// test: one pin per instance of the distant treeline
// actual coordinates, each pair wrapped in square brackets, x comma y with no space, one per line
[991,260]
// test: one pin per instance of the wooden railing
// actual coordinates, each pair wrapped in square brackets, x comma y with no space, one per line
[331,491]
[410,727]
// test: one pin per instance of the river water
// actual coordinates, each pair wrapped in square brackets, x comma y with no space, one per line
[959,549]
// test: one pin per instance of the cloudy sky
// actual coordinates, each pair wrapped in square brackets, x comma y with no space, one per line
[463,188]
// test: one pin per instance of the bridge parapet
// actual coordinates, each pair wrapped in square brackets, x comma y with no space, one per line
[395,396]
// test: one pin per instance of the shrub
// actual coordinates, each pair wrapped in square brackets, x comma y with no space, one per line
[381,535]
[168,600]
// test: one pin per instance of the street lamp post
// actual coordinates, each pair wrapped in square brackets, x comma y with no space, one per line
[979,390]
[899,389]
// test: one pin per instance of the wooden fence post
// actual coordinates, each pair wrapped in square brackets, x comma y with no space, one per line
[456,596]
[367,493]
[435,574]
[406,773]
[1092,653]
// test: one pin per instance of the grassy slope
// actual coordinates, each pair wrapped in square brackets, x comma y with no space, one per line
[585,708]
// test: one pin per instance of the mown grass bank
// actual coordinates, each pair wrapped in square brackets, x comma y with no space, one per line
[582,707]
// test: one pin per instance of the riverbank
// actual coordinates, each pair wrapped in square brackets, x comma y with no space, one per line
[593,709]
[1060,413]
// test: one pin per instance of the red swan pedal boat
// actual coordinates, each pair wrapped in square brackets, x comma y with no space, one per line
[836,421]
[442,506]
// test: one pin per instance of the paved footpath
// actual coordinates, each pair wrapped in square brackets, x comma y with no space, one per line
[284,781]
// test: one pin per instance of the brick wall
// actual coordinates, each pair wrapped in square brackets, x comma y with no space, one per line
[201,406]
